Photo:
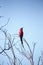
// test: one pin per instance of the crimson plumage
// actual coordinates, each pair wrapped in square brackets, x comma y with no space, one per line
[21,35]
[21,32]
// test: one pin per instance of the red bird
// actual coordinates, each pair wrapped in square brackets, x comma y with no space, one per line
[21,35]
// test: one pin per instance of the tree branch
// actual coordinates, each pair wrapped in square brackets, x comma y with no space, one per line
[39,60]
[5,24]
[27,45]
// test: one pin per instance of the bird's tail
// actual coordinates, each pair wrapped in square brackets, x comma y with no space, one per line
[22,41]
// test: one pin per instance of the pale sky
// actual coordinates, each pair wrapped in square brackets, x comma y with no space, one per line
[26,14]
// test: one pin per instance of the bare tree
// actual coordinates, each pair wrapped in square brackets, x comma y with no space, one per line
[9,44]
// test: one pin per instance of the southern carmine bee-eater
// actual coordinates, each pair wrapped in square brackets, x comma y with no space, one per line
[21,33]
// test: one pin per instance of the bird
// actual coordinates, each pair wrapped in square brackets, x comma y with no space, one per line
[21,33]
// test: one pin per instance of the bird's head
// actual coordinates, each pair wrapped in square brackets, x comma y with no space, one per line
[21,28]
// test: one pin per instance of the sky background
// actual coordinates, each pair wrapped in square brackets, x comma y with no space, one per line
[27,14]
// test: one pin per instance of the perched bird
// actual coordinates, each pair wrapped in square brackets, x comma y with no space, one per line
[21,35]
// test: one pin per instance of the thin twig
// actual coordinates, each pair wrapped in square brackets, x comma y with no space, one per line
[39,60]
[34,48]
[5,24]
[22,53]
[7,56]
[27,45]
[4,50]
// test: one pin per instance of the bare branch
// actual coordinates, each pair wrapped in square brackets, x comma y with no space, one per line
[4,50]
[5,24]
[27,45]
[10,46]
[20,62]
[34,48]
[13,54]
[7,56]
[39,60]
[23,53]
